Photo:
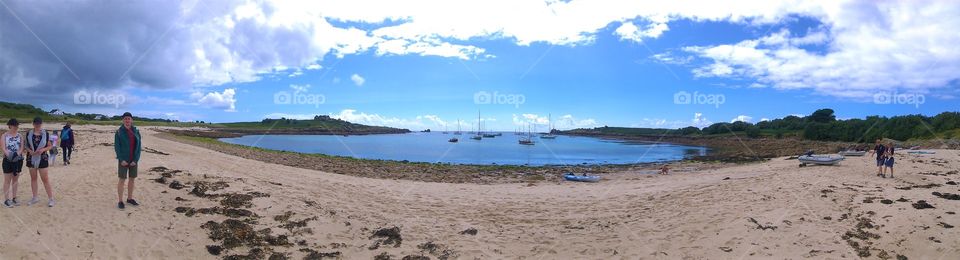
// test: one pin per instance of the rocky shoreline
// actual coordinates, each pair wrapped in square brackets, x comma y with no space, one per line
[738,148]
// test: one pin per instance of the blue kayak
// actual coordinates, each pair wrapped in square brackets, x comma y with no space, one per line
[574,177]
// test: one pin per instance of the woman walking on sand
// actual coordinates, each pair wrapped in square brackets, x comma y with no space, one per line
[12,146]
[66,142]
[889,161]
[38,143]
[126,143]
[880,150]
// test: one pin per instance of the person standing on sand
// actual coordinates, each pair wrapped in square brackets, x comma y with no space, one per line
[12,146]
[126,143]
[880,150]
[38,143]
[66,142]
[55,140]
[889,155]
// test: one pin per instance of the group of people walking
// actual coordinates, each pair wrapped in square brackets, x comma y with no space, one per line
[37,149]
[884,153]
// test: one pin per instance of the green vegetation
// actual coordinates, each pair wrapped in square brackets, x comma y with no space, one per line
[319,123]
[822,125]
[25,114]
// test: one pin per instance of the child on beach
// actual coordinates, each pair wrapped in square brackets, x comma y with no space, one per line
[12,146]
[889,161]
[38,143]
[54,138]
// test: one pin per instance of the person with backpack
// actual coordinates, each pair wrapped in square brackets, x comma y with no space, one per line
[66,142]
[38,143]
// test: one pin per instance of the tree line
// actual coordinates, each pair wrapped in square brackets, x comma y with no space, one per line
[823,125]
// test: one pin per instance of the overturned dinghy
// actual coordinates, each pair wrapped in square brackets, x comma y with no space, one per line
[573,177]
[819,159]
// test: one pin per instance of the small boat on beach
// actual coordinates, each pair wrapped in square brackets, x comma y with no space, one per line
[853,153]
[573,177]
[922,152]
[819,159]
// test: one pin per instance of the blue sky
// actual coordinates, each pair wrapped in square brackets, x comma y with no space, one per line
[418,72]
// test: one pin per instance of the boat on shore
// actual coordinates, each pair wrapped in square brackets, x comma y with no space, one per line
[820,159]
[580,178]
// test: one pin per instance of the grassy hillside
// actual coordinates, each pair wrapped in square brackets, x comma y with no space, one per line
[821,125]
[25,114]
[318,125]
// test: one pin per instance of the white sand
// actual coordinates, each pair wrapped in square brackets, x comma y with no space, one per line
[629,216]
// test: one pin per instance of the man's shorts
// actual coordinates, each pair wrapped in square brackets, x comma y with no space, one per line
[126,171]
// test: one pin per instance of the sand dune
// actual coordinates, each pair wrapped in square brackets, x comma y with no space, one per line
[756,211]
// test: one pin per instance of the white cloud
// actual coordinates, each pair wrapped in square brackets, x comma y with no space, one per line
[630,31]
[700,121]
[570,122]
[433,122]
[300,88]
[288,116]
[764,119]
[741,118]
[434,119]
[867,47]
[357,80]
[220,100]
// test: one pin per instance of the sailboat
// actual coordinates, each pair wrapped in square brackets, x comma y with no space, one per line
[527,140]
[549,134]
[458,128]
[477,136]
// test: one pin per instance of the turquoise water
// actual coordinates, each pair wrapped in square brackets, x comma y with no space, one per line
[433,147]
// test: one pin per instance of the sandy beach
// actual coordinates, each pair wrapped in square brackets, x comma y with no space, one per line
[231,206]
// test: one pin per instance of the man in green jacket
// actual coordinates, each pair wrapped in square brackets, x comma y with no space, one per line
[126,142]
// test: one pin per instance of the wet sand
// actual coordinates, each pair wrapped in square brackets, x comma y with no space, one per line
[199,203]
